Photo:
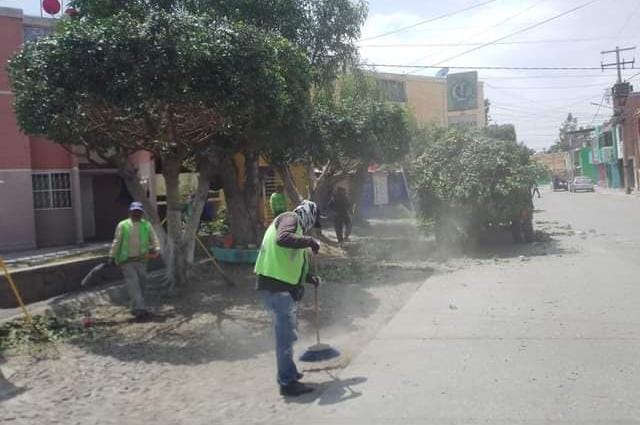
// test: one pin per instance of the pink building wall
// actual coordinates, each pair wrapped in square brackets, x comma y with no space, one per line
[17,221]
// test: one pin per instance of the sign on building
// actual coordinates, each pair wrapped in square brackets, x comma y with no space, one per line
[462,91]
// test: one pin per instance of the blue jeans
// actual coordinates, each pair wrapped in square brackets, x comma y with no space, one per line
[283,311]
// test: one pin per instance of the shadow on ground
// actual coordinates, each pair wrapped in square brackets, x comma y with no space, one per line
[333,391]
[208,322]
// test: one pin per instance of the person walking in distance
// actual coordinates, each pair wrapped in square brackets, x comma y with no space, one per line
[282,268]
[342,211]
[536,189]
[134,244]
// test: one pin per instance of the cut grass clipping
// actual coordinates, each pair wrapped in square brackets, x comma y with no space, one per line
[45,328]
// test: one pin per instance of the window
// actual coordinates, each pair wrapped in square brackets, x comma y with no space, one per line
[394,91]
[34,33]
[51,190]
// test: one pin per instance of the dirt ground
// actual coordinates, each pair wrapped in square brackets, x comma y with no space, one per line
[209,357]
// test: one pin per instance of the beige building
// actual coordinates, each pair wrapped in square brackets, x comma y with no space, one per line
[558,163]
[430,98]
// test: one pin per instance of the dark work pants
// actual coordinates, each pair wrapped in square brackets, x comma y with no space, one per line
[342,222]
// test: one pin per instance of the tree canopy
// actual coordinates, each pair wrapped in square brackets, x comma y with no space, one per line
[188,88]
[506,132]
[461,173]
[563,143]
[170,81]
[326,30]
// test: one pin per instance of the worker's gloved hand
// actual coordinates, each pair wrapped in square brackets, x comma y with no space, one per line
[315,246]
[110,261]
[315,280]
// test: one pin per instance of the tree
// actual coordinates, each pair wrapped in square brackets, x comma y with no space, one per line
[180,86]
[563,143]
[506,132]
[464,180]
[355,127]
[487,111]
[326,30]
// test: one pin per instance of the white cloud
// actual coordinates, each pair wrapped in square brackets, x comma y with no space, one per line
[532,104]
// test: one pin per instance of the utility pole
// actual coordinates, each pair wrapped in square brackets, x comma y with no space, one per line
[620,93]
[620,65]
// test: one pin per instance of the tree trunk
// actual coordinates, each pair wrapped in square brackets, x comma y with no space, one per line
[289,184]
[191,227]
[132,180]
[356,190]
[242,200]
[174,251]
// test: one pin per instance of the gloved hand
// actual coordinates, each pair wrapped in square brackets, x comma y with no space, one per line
[110,261]
[315,280]
[315,246]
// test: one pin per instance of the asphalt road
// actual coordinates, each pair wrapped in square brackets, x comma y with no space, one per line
[543,334]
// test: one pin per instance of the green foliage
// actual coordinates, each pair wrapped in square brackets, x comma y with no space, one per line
[45,328]
[359,126]
[326,30]
[157,82]
[220,224]
[563,143]
[350,272]
[461,173]
[505,132]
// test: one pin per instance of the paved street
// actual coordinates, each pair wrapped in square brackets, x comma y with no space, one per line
[550,338]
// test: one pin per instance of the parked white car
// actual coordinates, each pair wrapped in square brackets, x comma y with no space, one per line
[581,183]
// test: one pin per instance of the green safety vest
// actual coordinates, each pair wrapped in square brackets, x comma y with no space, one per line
[288,265]
[145,234]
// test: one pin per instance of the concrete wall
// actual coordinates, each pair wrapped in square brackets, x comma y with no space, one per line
[55,227]
[631,136]
[17,229]
[88,210]
[427,99]
[46,155]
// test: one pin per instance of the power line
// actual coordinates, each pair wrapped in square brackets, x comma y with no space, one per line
[510,68]
[629,18]
[542,77]
[515,42]
[530,27]
[548,87]
[446,15]
[485,30]
[597,110]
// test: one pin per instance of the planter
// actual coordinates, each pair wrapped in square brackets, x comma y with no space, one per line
[232,255]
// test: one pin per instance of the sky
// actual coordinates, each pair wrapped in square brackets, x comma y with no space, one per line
[535,101]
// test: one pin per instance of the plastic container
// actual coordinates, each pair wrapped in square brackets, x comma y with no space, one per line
[231,255]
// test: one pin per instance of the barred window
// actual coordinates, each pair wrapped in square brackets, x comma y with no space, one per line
[51,190]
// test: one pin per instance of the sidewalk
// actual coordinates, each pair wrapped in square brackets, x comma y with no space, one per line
[38,257]
[616,192]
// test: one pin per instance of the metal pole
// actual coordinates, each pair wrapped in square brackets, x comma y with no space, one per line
[618,62]
[16,292]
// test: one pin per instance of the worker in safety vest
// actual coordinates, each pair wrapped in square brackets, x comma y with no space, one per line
[134,244]
[281,268]
[278,202]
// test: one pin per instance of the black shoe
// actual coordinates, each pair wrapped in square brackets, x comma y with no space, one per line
[295,389]
[141,315]
[299,376]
